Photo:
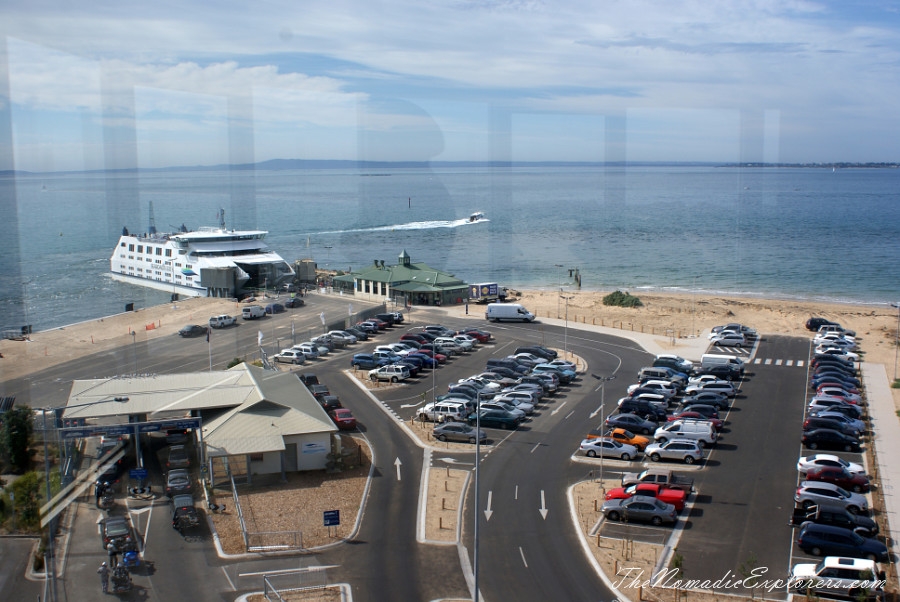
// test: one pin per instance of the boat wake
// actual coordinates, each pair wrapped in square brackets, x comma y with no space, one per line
[428,225]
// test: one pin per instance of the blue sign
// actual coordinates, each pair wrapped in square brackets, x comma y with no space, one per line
[148,427]
[138,473]
[332,518]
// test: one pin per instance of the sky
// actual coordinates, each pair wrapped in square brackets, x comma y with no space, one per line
[104,84]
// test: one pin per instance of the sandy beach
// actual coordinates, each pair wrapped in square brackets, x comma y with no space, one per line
[669,316]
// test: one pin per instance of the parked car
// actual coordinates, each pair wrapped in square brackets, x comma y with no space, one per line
[483,336]
[825,540]
[717,423]
[728,339]
[343,419]
[178,480]
[632,422]
[721,371]
[807,463]
[709,398]
[857,424]
[815,323]
[606,447]
[720,386]
[308,350]
[390,373]
[838,577]
[841,477]
[274,308]
[820,493]
[329,402]
[459,431]
[837,517]
[444,411]
[674,361]
[675,497]
[734,327]
[627,437]
[640,508]
[822,438]
[686,451]
[427,360]
[497,418]
[290,356]
[836,391]
[193,330]
[538,350]
[816,422]
[642,408]
[834,404]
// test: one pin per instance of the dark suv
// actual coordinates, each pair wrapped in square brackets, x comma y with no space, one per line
[814,324]
[538,350]
[642,408]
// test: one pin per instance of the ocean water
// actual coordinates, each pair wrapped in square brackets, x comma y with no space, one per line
[783,233]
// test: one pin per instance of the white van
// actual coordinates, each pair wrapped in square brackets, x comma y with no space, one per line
[252,312]
[701,431]
[708,360]
[507,311]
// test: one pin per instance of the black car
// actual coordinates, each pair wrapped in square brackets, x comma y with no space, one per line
[710,411]
[667,362]
[722,371]
[359,333]
[505,372]
[836,517]
[813,324]
[538,350]
[318,389]
[826,540]
[829,439]
[294,302]
[497,419]
[330,402]
[814,422]
[193,330]
[710,398]
[631,422]
[308,379]
[644,409]
[390,318]
[274,308]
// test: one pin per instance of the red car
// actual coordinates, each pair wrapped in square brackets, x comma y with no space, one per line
[343,418]
[440,357]
[676,497]
[717,423]
[482,336]
[839,476]
[411,336]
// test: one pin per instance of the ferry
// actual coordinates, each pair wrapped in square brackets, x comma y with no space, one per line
[207,262]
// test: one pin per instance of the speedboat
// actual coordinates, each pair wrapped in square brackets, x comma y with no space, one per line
[478,216]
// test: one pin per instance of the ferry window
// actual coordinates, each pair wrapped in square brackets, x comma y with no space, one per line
[159,250]
[367,286]
[122,244]
[131,248]
[140,248]
[383,288]
[168,252]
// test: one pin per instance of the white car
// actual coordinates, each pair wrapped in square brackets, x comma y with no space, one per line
[838,577]
[308,349]
[661,387]
[562,364]
[486,387]
[346,336]
[734,327]
[835,340]
[393,373]
[290,356]
[807,462]
[395,348]
[831,349]
[703,378]
[466,342]
[838,352]
[839,392]
[605,447]
[728,339]
[716,386]
[505,406]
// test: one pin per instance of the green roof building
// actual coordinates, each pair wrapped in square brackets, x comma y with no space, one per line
[406,283]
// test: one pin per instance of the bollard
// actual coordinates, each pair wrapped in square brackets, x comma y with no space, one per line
[443,503]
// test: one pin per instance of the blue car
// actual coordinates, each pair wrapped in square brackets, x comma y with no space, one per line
[565,376]
[826,540]
[427,360]
[367,361]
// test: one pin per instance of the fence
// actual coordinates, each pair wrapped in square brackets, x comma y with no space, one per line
[270,541]
[276,584]
[630,326]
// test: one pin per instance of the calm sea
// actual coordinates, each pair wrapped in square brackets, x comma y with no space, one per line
[784,233]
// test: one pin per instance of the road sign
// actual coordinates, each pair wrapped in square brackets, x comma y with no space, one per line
[138,473]
[332,518]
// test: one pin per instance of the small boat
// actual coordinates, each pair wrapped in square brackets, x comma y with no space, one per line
[478,216]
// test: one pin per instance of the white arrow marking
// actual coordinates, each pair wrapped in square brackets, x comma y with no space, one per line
[454,461]
[558,408]
[397,463]
[597,411]
[411,405]
[489,512]
[543,509]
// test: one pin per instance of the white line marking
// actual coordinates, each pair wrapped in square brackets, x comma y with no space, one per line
[522,554]
[777,362]
[558,408]
[536,445]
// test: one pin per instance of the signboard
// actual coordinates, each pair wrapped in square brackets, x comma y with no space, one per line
[117,430]
[138,473]
[332,518]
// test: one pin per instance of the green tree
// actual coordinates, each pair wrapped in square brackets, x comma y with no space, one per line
[27,492]
[15,433]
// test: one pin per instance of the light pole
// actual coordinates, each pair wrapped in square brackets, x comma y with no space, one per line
[603,380]
[897,339]
[558,286]
[477,489]
[566,331]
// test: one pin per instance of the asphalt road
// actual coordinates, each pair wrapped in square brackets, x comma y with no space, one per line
[528,549]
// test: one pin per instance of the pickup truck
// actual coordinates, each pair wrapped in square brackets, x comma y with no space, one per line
[669,495]
[659,476]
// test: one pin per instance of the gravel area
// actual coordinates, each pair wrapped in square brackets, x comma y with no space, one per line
[297,505]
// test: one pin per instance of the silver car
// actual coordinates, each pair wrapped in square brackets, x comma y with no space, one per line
[640,508]
[811,493]
[677,449]
[729,339]
[458,431]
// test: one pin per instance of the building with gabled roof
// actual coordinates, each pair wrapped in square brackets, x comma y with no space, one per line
[407,283]
[268,419]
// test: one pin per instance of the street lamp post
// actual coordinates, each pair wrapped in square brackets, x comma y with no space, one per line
[897,339]
[566,331]
[558,286]
[603,380]
[477,487]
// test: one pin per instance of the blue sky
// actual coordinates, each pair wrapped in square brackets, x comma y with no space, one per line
[119,84]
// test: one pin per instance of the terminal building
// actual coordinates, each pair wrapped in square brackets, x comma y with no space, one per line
[405,283]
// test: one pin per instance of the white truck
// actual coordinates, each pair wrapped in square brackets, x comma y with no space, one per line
[485,292]
[507,311]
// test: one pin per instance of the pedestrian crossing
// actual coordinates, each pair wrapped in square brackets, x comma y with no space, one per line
[778,362]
